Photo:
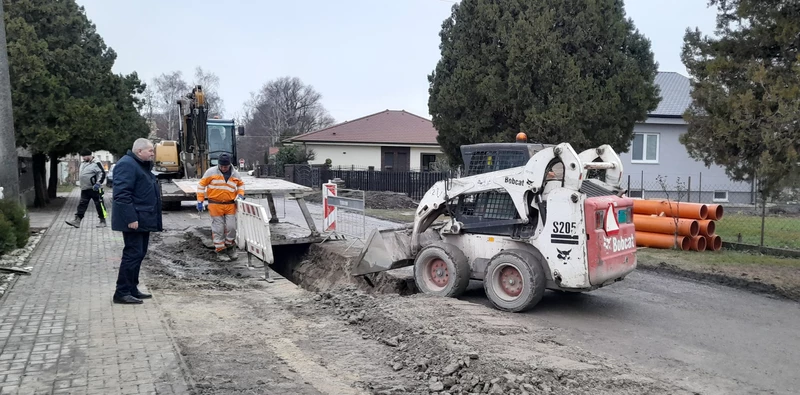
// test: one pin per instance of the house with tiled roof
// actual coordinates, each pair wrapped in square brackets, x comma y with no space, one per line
[390,140]
[656,151]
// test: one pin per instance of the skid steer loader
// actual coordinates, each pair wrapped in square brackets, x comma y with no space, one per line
[524,218]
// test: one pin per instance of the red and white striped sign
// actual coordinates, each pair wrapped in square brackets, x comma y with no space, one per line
[329,212]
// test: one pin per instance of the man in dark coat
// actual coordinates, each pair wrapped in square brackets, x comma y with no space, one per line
[136,212]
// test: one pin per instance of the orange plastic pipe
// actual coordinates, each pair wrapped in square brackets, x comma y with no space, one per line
[713,243]
[647,223]
[715,212]
[682,209]
[660,240]
[698,243]
[707,227]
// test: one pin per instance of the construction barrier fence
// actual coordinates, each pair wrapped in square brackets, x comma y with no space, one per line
[344,212]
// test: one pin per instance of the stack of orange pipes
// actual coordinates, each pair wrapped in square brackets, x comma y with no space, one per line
[656,226]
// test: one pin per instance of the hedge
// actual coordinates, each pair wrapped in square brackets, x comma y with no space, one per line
[14,226]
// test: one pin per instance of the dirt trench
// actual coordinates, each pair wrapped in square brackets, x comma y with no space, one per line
[337,334]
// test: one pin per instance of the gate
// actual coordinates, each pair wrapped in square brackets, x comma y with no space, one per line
[303,175]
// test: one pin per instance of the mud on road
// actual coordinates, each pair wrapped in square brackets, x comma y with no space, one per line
[241,335]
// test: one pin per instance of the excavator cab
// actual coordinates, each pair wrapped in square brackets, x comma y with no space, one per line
[220,139]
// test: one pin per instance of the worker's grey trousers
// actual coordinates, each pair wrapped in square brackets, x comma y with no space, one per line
[223,231]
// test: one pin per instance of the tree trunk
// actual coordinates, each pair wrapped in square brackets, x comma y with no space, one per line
[9,179]
[52,188]
[39,182]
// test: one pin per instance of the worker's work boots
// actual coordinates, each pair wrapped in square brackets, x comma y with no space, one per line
[76,222]
[102,223]
[222,256]
[231,250]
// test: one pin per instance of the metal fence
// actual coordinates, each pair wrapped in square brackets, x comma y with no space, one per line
[747,218]
[412,183]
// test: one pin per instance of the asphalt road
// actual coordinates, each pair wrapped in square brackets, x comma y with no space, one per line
[708,338]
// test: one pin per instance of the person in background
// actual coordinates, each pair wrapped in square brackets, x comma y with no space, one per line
[136,212]
[222,185]
[91,176]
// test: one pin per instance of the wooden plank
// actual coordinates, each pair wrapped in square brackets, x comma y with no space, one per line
[14,270]
[252,186]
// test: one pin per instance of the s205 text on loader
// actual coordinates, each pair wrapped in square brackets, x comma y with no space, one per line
[524,218]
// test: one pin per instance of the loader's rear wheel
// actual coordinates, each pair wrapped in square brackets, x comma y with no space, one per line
[441,269]
[514,281]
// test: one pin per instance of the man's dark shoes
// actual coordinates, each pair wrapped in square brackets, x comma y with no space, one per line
[128,299]
[142,295]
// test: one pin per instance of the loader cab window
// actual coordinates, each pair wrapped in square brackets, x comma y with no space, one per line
[480,162]
[220,138]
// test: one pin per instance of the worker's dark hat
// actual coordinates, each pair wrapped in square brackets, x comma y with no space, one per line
[224,159]
[86,152]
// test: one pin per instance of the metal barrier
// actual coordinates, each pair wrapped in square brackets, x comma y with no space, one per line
[253,234]
[344,212]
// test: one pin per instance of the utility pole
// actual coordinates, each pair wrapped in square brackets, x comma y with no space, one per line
[9,179]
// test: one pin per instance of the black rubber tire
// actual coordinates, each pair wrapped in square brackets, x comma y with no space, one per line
[458,270]
[533,281]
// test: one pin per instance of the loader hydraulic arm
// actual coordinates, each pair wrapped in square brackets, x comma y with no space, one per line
[518,181]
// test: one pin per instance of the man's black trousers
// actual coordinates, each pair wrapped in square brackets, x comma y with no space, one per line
[132,256]
[86,196]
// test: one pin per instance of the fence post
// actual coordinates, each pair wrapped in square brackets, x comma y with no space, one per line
[288,172]
[689,190]
[629,184]
[763,215]
[409,188]
[642,183]
[700,189]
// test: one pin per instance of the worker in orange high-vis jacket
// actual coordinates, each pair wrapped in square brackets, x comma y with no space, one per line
[222,185]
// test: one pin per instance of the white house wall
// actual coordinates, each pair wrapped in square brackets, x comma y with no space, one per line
[363,155]
[673,162]
[346,155]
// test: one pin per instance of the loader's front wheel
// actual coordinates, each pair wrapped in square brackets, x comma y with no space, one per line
[514,281]
[441,269]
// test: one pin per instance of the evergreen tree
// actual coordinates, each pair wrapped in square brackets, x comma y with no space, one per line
[572,71]
[746,91]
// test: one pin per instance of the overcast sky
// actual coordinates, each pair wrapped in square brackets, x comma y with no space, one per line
[363,56]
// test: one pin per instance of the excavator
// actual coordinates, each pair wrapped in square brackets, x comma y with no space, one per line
[200,142]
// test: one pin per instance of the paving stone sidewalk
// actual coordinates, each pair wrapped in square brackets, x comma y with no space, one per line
[61,334]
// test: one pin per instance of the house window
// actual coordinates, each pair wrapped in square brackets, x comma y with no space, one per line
[720,196]
[645,148]
[427,159]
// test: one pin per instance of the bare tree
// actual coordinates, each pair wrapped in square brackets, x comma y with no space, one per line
[210,83]
[680,188]
[169,88]
[285,107]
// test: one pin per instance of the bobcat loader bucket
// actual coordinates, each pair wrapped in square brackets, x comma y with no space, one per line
[385,250]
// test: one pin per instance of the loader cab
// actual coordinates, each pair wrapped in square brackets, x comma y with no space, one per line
[494,212]
[488,157]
